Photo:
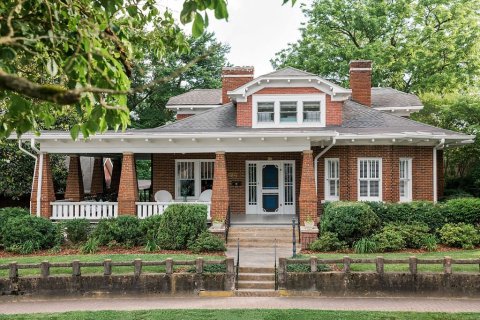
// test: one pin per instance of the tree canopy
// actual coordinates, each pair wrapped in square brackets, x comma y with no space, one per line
[416,46]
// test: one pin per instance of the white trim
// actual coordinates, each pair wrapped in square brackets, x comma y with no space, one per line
[39,185]
[326,194]
[193,106]
[408,197]
[380,179]
[360,69]
[299,99]
[196,177]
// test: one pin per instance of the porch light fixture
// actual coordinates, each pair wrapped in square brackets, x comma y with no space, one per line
[194,139]
[262,138]
[219,139]
[373,140]
[170,140]
[239,139]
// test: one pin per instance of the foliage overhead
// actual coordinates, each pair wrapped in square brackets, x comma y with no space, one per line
[416,46]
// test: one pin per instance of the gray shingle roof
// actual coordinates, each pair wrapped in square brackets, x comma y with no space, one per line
[197,97]
[389,97]
[288,72]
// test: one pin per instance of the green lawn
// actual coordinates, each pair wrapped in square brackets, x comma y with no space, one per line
[460,254]
[99,258]
[294,314]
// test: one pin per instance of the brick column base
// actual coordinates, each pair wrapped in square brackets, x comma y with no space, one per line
[74,189]
[128,190]
[307,201]
[220,197]
[307,236]
[98,177]
[48,192]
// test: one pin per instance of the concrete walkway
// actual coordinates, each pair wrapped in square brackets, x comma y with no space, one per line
[418,304]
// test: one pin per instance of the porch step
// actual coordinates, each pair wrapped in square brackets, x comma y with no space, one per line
[256,277]
[256,285]
[256,270]
[256,293]
[258,244]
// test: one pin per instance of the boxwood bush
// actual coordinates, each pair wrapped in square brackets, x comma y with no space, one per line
[207,242]
[328,241]
[389,240]
[466,210]
[416,211]
[350,220]
[26,234]
[414,233]
[7,213]
[77,230]
[124,230]
[459,235]
[181,225]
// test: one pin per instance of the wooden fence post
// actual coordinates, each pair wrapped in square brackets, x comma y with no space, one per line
[76,270]
[137,267]
[412,265]
[346,264]
[45,269]
[313,264]
[13,270]
[169,266]
[380,265]
[199,265]
[107,267]
[447,265]
[282,273]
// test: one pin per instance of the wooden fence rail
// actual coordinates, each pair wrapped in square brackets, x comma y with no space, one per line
[108,264]
[380,262]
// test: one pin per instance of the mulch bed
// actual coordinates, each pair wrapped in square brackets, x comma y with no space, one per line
[67,251]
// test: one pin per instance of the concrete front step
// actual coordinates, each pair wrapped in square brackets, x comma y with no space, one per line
[256,277]
[256,285]
[256,270]
[256,293]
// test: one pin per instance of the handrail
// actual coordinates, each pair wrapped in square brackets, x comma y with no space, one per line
[227,223]
[294,239]
[238,264]
[275,265]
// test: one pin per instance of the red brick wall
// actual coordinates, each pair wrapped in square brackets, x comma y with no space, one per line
[333,108]
[74,189]
[47,192]
[231,83]
[307,201]
[422,170]
[183,116]
[220,197]
[128,189]
[361,81]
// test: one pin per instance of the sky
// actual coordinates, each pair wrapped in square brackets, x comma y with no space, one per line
[255,31]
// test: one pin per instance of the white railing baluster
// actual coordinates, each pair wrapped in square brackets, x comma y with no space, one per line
[66,210]
[148,209]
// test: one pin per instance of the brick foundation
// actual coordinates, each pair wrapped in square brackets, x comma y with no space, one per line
[307,236]
[47,192]
[128,189]
[74,190]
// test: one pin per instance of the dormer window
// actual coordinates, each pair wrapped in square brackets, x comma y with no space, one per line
[287,111]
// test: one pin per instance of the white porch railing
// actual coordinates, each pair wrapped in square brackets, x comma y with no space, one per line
[148,209]
[64,210]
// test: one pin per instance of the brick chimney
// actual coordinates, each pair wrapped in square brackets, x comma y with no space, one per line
[361,81]
[234,77]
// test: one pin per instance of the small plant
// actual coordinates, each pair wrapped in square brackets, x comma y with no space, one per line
[430,242]
[365,245]
[309,223]
[217,224]
[151,246]
[297,267]
[460,235]
[207,242]
[91,246]
[77,230]
[328,241]
[389,240]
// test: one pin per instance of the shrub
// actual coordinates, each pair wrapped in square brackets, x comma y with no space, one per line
[91,246]
[207,242]
[456,194]
[7,213]
[150,227]
[416,211]
[29,233]
[210,268]
[124,230]
[389,240]
[430,242]
[365,245]
[465,210]
[77,230]
[414,233]
[350,220]
[459,235]
[300,267]
[181,224]
[328,241]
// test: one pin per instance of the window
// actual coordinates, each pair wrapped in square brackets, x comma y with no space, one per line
[332,179]
[405,179]
[266,112]
[370,179]
[288,111]
[311,111]
[193,177]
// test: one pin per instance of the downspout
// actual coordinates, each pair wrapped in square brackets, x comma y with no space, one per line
[334,141]
[437,147]
[36,159]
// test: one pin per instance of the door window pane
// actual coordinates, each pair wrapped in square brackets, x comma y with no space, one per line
[270,176]
[288,111]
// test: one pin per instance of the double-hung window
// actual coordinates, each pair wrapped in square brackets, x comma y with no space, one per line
[266,112]
[332,179]
[311,111]
[192,177]
[288,111]
[370,179]
[405,179]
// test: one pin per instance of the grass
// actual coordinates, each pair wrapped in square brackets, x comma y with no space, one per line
[99,258]
[236,314]
[460,254]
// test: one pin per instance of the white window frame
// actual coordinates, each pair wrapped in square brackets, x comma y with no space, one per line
[380,178]
[327,195]
[299,99]
[197,177]
[408,197]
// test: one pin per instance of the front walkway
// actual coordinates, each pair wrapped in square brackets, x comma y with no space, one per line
[417,304]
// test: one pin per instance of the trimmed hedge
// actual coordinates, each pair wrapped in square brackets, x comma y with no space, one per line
[328,241]
[459,235]
[77,230]
[7,213]
[466,210]
[124,230]
[351,221]
[207,242]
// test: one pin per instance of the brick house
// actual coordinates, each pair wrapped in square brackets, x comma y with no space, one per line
[277,145]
